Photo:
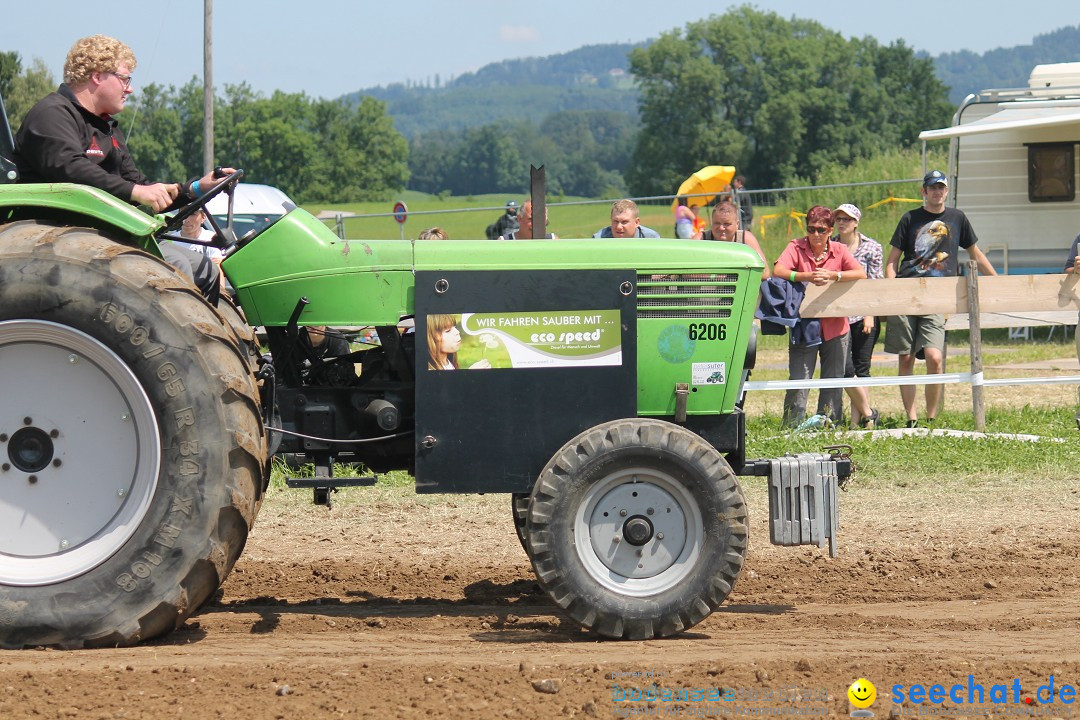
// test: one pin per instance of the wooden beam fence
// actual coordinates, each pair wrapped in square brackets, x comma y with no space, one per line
[1001,301]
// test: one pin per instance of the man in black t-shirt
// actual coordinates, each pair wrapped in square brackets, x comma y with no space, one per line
[926,243]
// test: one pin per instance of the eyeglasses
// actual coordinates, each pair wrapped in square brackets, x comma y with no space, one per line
[125,80]
[817,230]
[845,219]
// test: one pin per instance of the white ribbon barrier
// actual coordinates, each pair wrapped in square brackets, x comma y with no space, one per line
[941,379]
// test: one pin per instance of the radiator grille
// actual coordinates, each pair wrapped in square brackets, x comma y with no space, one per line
[686,295]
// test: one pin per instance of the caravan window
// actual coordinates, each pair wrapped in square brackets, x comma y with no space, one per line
[1050,172]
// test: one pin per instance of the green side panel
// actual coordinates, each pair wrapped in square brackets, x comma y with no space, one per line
[694,328]
[347,282]
[84,200]
[593,253]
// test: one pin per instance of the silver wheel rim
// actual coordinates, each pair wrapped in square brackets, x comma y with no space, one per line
[641,497]
[69,502]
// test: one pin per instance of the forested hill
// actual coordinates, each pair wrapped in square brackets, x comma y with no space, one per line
[967,72]
[596,77]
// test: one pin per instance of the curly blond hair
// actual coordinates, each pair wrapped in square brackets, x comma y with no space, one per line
[97,53]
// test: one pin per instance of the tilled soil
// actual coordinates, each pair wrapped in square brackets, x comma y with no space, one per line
[427,607]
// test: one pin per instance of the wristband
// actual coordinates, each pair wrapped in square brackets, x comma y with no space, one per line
[792,276]
[839,275]
[195,189]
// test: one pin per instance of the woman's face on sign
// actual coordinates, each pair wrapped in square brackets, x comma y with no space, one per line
[450,340]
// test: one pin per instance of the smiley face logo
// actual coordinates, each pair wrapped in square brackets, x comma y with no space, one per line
[862,693]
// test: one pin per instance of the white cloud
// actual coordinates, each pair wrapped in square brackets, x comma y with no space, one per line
[518,34]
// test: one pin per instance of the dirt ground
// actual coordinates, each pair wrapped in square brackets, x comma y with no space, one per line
[393,606]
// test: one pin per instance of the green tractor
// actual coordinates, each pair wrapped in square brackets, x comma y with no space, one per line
[580,377]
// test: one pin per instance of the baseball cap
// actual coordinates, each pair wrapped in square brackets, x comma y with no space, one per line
[511,204]
[935,177]
[851,211]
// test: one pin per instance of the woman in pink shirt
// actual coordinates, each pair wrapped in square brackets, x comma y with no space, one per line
[814,259]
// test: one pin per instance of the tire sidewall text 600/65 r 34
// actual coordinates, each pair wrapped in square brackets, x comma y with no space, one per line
[131,440]
[637,528]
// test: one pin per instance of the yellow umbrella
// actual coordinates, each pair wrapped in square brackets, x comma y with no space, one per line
[711,179]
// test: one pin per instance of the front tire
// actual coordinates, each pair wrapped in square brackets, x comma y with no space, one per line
[637,529]
[131,440]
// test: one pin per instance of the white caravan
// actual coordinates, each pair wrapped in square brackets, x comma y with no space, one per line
[1013,169]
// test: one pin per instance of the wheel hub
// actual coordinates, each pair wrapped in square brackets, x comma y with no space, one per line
[81,452]
[641,527]
[638,530]
[30,449]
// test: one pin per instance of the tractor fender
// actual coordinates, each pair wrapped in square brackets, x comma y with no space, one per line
[100,209]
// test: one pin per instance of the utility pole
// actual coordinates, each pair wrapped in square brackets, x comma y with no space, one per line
[208,86]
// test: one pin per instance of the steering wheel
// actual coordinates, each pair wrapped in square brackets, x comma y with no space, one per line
[228,184]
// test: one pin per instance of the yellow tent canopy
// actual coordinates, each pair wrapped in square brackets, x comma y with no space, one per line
[706,183]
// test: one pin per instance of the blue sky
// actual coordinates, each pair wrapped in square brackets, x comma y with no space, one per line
[327,48]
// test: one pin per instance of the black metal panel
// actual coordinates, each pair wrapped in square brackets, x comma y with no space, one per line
[726,433]
[493,430]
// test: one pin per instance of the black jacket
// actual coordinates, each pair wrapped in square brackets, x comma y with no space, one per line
[61,141]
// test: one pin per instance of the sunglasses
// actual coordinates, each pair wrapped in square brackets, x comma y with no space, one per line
[817,230]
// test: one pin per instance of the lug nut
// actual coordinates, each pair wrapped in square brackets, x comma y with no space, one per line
[54,433]
[56,462]
[3,437]
[32,479]
[28,420]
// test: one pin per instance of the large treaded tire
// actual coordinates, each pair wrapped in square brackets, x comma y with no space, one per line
[73,571]
[519,509]
[690,541]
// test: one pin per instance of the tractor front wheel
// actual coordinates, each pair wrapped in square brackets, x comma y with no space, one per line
[637,528]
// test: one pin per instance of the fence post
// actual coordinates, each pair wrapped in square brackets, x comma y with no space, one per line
[975,328]
[538,195]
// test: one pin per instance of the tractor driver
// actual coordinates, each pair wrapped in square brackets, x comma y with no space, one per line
[72,136]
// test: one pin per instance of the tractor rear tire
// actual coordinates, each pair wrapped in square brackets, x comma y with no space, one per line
[519,506]
[637,528]
[245,334]
[131,442]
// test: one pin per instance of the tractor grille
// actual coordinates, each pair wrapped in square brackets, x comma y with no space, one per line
[686,295]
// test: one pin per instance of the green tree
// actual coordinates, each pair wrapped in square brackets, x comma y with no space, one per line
[428,160]
[487,160]
[778,98]
[25,89]
[362,157]
[10,68]
[152,128]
